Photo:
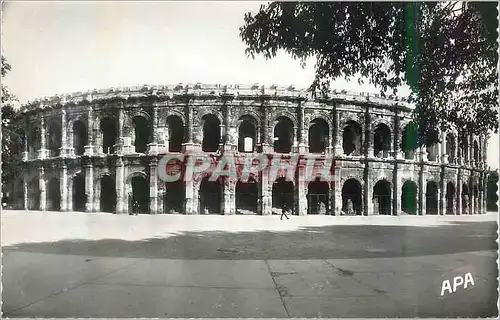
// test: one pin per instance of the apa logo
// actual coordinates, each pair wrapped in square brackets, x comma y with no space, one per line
[457,281]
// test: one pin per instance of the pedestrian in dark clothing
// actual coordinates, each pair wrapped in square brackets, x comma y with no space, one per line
[284,211]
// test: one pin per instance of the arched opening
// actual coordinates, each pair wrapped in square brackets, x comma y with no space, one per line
[476,152]
[409,197]
[109,133]
[382,141]
[54,139]
[351,139]
[318,136]
[139,199]
[450,148]
[318,197]
[450,197]
[210,196]
[142,134]
[211,133]
[34,142]
[78,193]
[464,148]
[283,135]
[108,194]
[53,195]
[382,197]
[174,198]
[431,198]
[352,197]
[175,133]
[475,199]
[432,152]
[282,194]
[34,194]
[247,195]
[246,135]
[465,199]
[79,137]
[409,141]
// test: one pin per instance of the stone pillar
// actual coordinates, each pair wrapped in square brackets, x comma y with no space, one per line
[303,145]
[422,189]
[471,151]
[337,196]
[444,155]
[64,138]
[25,191]
[295,145]
[396,190]
[153,186]
[302,190]
[42,153]
[64,187]
[192,205]
[368,135]
[266,193]
[119,147]
[89,187]
[89,148]
[42,186]
[121,206]
[228,197]
[368,193]
[153,146]
[265,147]
[337,134]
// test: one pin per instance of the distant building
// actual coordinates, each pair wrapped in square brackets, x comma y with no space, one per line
[99,151]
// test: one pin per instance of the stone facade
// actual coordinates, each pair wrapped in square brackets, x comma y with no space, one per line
[99,151]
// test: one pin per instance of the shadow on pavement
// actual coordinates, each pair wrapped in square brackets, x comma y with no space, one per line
[325,242]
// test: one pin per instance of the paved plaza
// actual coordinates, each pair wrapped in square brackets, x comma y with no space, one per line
[103,265]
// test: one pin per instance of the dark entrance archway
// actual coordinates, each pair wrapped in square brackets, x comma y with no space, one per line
[351,193]
[142,134]
[34,194]
[54,139]
[382,197]
[283,194]
[108,194]
[247,195]
[210,196]
[318,197]
[140,195]
[409,140]
[173,201]
[318,136]
[382,141]
[450,198]
[79,196]
[109,133]
[431,196]
[352,139]
[211,133]
[409,197]
[283,135]
[53,195]
[465,199]
[247,134]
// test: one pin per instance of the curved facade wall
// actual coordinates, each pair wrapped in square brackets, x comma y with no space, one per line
[99,151]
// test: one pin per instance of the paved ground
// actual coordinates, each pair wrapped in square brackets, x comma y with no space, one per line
[100,265]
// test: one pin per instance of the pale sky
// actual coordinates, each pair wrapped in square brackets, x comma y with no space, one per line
[63,47]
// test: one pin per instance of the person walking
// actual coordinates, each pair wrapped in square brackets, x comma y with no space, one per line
[284,210]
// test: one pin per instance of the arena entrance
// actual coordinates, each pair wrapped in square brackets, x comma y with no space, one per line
[107,201]
[142,134]
[139,202]
[175,195]
[318,197]
[53,195]
[283,135]
[175,133]
[210,196]
[109,133]
[79,137]
[247,195]
[409,198]
[431,196]
[282,194]
[79,196]
[351,198]
[34,194]
[450,198]
[382,198]
[211,133]
[318,136]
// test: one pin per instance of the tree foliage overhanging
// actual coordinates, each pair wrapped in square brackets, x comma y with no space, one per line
[445,52]
[12,132]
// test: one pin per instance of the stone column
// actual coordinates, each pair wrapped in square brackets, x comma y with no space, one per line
[223,138]
[25,191]
[153,146]
[121,206]
[228,197]
[302,190]
[444,155]
[89,187]
[64,187]
[120,143]
[89,148]
[422,189]
[337,134]
[471,151]
[192,206]
[42,186]
[337,202]
[153,186]
[458,194]
[266,193]
[396,196]
[42,153]
[265,131]
[295,145]
[303,145]
[64,139]
[368,136]
[368,193]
